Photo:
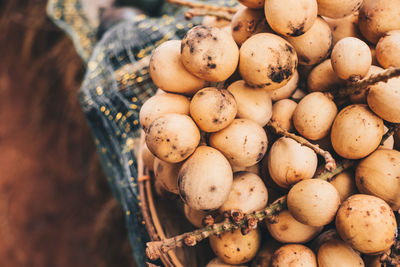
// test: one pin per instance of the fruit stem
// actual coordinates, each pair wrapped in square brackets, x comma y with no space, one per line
[371,80]
[204,6]
[155,248]
[392,129]
[330,163]
[199,12]
[340,167]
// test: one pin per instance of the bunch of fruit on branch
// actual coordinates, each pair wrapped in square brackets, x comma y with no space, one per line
[281,115]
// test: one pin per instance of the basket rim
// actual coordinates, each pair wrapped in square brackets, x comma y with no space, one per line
[149,211]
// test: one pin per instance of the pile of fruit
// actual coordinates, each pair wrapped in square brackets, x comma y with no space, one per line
[280,115]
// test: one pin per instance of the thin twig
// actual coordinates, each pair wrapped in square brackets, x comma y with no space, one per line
[392,129]
[340,167]
[205,6]
[330,163]
[371,80]
[199,12]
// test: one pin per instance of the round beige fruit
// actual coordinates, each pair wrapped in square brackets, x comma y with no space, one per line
[267,60]
[167,174]
[289,230]
[351,59]
[323,78]
[379,175]
[252,103]
[168,73]
[287,90]
[294,255]
[291,17]
[367,223]
[213,109]
[335,252]
[243,142]
[356,132]
[235,248]
[314,115]
[209,53]
[315,45]
[338,8]
[388,49]
[247,22]
[282,113]
[162,104]
[344,27]
[313,202]
[248,193]
[345,184]
[383,99]
[172,137]
[205,179]
[289,162]
[378,17]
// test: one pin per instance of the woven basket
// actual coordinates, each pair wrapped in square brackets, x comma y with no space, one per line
[164,218]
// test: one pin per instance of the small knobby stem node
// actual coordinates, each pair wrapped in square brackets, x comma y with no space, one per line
[371,80]
[330,163]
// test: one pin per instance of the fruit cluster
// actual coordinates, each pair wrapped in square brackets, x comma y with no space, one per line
[246,106]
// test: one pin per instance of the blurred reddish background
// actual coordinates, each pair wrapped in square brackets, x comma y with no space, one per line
[55,206]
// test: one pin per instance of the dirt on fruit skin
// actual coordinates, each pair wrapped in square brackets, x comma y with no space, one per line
[55,206]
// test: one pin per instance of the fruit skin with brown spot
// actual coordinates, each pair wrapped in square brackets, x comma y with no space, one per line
[267,61]
[235,248]
[294,255]
[162,104]
[248,193]
[213,109]
[243,142]
[378,17]
[247,22]
[172,137]
[168,73]
[205,179]
[315,45]
[299,162]
[209,53]
[367,223]
[293,21]
[379,175]
[338,8]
